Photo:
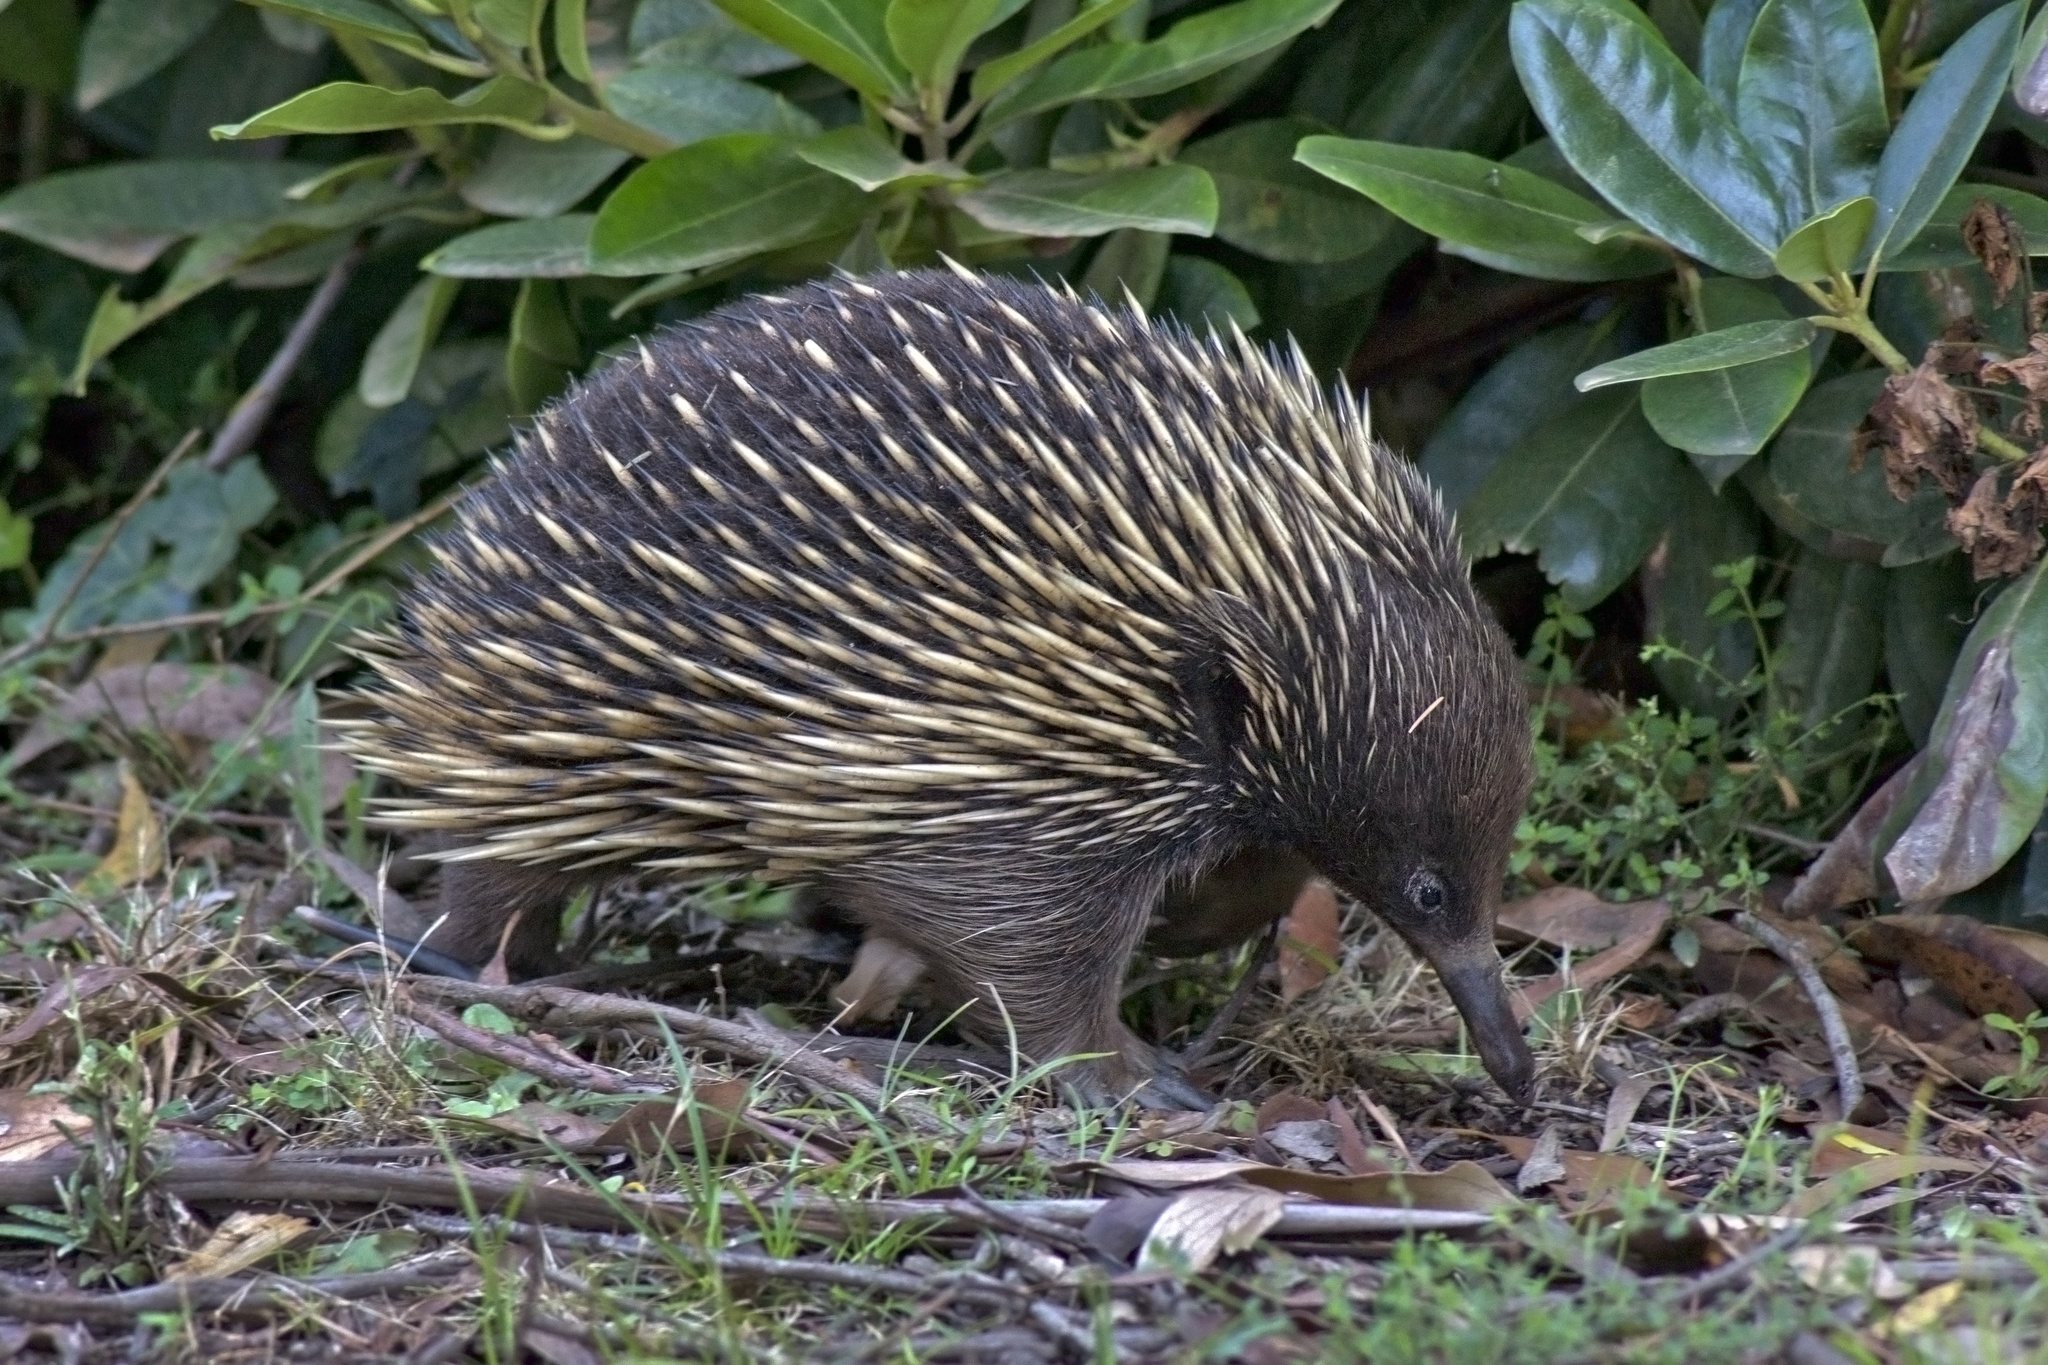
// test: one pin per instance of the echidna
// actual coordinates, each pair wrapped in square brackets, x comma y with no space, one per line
[986,612]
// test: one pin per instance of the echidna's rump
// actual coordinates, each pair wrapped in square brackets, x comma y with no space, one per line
[987,610]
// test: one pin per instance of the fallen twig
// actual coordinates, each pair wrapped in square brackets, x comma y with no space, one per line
[1841,1049]
[254,1297]
[566,1070]
[245,420]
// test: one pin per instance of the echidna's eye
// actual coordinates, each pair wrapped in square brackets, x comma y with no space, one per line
[1425,890]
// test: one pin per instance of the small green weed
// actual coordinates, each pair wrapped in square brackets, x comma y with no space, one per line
[2031,1078]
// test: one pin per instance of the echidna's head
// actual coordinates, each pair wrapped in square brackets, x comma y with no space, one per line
[1383,734]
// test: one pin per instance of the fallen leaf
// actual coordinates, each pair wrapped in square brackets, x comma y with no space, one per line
[1464,1187]
[242,1241]
[1356,1157]
[1285,1106]
[1312,1140]
[1544,1163]
[1309,942]
[1842,874]
[1866,1176]
[138,850]
[539,1122]
[1919,1313]
[1953,841]
[33,1126]
[1573,917]
[1648,919]
[1847,1270]
[1976,985]
[1591,1179]
[1622,1103]
[716,1109]
[1201,1224]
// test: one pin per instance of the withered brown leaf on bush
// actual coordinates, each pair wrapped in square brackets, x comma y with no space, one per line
[1924,427]
[1994,238]
[2000,530]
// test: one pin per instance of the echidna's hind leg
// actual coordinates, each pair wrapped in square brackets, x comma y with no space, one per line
[480,899]
[1041,955]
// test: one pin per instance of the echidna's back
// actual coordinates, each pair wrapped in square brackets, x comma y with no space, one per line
[875,561]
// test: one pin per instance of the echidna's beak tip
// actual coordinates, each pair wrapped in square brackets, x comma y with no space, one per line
[1476,988]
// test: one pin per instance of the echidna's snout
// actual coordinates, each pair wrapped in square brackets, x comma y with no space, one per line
[1471,973]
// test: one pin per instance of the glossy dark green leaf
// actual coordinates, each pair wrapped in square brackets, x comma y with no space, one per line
[1129,261]
[687,104]
[572,44]
[1493,213]
[39,45]
[698,33]
[1830,640]
[406,336]
[1827,245]
[1678,586]
[122,215]
[1927,612]
[859,154]
[1981,788]
[1731,412]
[1062,204]
[1193,48]
[355,19]
[522,178]
[547,248]
[1810,99]
[1271,206]
[1203,294]
[1640,128]
[1589,493]
[1723,37]
[1453,86]
[1742,344]
[1811,467]
[1939,245]
[127,41]
[1939,130]
[1518,393]
[931,36]
[718,200]
[992,76]
[351,107]
[544,352]
[848,38]
[511,22]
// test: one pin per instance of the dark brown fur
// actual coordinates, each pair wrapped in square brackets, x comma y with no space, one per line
[985,613]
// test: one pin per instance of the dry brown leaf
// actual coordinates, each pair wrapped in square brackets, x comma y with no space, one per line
[719,1110]
[1649,919]
[1464,1187]
[539,1122]
[2029,369]
[1977,985]
[1925,427]
[1199,1225]
[1627,1097]
[1573,917]
[2000,532]
[1309,942]
[1842,874]
[194,703]
[1993,237]
[138,850]
[1950,845]
[1866,1176]
[1590,1179]
[242,1241]
[33,1126]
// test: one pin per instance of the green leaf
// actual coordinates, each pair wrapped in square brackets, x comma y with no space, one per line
[1939,130]
[1831,638]
[1678,586]
[1983,782]
[1640,128]
[1810,99]
[1927,611]
[1272,207]
[39,45]
[572,41]
[121,216]
[16,534]
[848,38]
[1453,86]
[1589,492]
[1939,245]
[715,201]
[931,36]
[1827,245]
[1193,48]
[1493,213]
[354,19]
[509,21]
[1062,204]
[127,41]
[1203,295]
[687,104]
[546,248]
[522,178]
[1730,411]
[1128,261]
[545,351]
[698,33]
[991,77]
[1810,468]
[349,107]
[1520,392]
[1723,39]
[406,336]
[1716,350]
[860,154]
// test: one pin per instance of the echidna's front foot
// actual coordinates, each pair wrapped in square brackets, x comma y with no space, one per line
[1139,1074]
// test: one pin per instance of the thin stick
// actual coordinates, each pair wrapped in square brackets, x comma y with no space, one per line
[1848,1076]
[246,419]
[46,633]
